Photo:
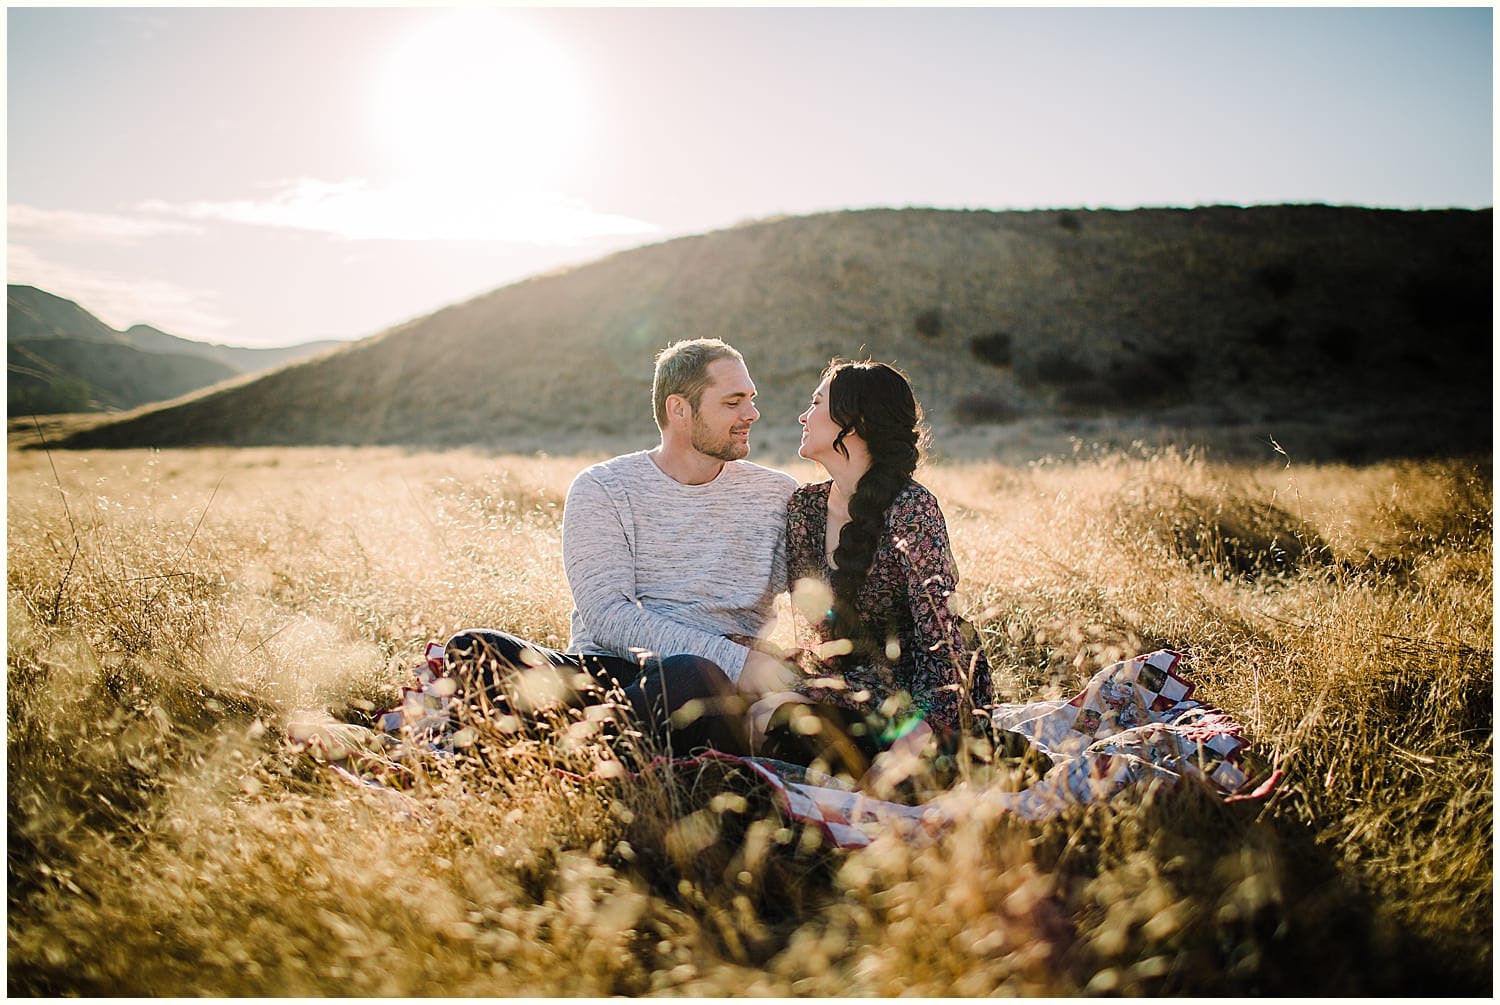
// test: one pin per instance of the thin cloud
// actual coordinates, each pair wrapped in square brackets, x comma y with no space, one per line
[77,225]
[120,301]
[356,210]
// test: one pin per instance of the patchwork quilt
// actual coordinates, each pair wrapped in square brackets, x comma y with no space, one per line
[1135,724]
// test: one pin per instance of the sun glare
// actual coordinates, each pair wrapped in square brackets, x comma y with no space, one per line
[477,95]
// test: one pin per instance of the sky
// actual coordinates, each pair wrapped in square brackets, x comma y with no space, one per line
[268,176]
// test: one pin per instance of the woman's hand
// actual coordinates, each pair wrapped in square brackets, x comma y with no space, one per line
[759,714]
[764,674]
[899,762]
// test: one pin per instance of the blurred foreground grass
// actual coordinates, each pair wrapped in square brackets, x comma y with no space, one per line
[170,611]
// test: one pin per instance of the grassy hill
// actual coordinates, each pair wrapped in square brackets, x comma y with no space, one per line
[60,358]
[241,359]
[76,375]
[33,314]
[1340,332]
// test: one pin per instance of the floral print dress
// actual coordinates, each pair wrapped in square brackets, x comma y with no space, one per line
[926,665]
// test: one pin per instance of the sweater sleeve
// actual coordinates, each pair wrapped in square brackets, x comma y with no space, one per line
[941,657]
[600,566]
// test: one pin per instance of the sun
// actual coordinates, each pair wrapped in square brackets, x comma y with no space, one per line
[481,95]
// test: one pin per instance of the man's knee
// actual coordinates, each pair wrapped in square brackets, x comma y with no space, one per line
[690,690]
[487,662]
[477,645]
[687,702]
[695,677]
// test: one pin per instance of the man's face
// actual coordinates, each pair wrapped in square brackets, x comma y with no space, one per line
[721,422]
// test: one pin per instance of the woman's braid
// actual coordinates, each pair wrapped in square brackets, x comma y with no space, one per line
[874,401]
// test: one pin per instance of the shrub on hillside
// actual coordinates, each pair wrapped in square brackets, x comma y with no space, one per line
[1418,359]
[1338,343]
[1092,394]
[929,323]
[994,348]
[981,409]
[1059,366]
[1271,333]
[1130,381]
[1278,279]
[1160,368]
[1440,300]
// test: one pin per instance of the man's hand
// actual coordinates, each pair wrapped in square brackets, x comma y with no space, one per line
[764,674]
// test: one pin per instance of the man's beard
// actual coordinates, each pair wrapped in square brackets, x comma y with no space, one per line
[726,448]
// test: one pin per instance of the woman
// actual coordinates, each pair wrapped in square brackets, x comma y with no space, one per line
[888,671]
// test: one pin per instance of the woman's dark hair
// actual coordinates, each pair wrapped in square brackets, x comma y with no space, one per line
[874,401]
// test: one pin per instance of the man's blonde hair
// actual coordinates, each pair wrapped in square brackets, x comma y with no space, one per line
[682,368]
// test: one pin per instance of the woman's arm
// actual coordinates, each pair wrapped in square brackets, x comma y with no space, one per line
[803,543]
[942,659]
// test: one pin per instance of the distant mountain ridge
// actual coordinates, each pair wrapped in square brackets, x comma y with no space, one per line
[60,358]
[1360,331]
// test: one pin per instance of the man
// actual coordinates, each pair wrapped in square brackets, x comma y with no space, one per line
[674,556]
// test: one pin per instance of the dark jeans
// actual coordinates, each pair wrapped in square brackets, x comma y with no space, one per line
[682,703]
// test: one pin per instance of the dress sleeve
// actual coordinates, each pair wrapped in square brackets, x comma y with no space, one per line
[804,558]
[942,660]
[798,536]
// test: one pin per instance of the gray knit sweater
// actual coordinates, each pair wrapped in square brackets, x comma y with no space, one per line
[666,568]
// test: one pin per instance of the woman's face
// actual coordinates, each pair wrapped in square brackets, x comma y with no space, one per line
[818,427]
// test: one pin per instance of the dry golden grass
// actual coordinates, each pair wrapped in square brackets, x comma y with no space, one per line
[170,612]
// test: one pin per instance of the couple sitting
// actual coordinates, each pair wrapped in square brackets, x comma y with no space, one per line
[676,555]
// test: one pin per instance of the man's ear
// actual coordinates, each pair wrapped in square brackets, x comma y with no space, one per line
[677,406]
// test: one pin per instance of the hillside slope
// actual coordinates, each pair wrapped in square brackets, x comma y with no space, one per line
[32,314]
[75,375]
[241,359]
[1268,318]
[60,358]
